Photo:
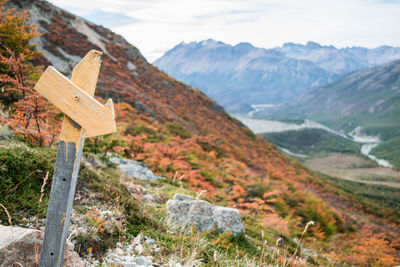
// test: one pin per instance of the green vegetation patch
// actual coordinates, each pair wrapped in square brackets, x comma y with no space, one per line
[312,141]
[385,133]
[292,120]
[178,130]
[389,150]
[22,173]
[383,201]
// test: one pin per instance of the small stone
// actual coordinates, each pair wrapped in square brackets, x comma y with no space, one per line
[119,251]
[142,260]
[137,239]
[134,169]
[112,256]
[150,241]
[139,249]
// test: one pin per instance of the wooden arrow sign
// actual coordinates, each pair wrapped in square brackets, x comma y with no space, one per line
[95,118]
[85,116]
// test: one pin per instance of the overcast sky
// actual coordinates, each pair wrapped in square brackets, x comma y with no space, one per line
[155,26]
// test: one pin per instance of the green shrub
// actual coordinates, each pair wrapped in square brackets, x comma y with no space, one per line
[209,177]
[178,130]
[257,190]
[152,135]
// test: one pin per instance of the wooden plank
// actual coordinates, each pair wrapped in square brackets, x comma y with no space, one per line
[90,114]
[60,203]
[66,169]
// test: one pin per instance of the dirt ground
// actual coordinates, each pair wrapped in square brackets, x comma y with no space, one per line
[349,167]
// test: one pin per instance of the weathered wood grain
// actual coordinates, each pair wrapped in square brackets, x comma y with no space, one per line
[90,114]
[66,169]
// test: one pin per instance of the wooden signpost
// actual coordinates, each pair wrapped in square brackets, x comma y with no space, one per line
[84,117]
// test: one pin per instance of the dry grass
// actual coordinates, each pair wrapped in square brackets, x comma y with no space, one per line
[12,234]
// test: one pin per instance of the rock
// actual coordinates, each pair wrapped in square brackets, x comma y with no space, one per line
[143,261]
[305,252]
[204,216]
[127,255]
[28,244]
[5,133]
[126,259]
[139,249]
[134,169]
[119,251]
[150,241]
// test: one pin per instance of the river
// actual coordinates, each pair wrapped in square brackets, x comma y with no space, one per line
[268,126]
[369,142]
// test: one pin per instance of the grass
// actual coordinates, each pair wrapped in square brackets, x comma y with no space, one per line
[101,190]
[376,178]
[22,170]
[382,201]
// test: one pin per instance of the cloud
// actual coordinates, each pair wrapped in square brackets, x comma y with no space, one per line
[110,19]
[158,25]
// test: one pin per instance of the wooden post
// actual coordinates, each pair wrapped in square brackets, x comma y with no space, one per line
[72,137]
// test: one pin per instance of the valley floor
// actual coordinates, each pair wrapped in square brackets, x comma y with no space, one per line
[354,168]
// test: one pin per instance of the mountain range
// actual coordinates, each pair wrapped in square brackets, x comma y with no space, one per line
[242,75]
[343,60]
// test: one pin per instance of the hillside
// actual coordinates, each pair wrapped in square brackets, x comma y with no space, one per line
[343,60]
[367,99]
[182,135]
[241,75]
[363,98]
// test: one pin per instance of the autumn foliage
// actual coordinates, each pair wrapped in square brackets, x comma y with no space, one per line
[178,132]
[26,111]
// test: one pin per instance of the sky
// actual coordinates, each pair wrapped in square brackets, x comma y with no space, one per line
[155,26]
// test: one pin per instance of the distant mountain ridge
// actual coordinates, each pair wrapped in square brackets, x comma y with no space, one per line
[341,60]
[241,75]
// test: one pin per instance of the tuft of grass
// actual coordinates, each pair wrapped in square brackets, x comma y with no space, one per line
[22,170]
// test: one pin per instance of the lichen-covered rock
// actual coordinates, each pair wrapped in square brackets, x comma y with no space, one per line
[5,132]
[204,216]
[134,169]
[23,246]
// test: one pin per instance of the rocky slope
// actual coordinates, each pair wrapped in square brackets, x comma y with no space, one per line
[241,75]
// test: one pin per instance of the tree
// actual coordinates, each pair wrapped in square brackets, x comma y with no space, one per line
[28,113]
[16,52]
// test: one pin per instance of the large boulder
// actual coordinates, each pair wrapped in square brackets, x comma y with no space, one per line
[185,210]
[134,169]
[21,247]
